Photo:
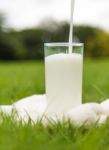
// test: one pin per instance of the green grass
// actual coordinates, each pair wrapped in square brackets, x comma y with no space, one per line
[18,80]
[96,80]
[21,79]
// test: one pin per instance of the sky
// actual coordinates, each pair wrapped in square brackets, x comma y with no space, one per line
[29,13]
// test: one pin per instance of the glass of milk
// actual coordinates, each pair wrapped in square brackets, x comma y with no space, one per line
[63,77]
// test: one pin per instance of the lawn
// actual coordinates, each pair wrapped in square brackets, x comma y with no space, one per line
[21,79]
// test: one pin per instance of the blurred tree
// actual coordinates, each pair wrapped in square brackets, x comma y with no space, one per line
[95,40]
[2,20]
[11,48]
[28,44]
[98,45]
[85,34]
[33,42]
[62,33]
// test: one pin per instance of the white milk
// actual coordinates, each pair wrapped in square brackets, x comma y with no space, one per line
[71,26]
[63,82]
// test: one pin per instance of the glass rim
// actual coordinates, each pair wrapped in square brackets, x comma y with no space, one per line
[62,44]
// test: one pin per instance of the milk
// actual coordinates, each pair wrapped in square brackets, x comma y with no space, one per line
[63,82]
[71,26]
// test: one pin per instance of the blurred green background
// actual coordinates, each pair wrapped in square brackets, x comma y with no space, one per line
[22,59]
[27,44]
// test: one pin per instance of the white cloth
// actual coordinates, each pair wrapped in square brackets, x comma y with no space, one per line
[34,107]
